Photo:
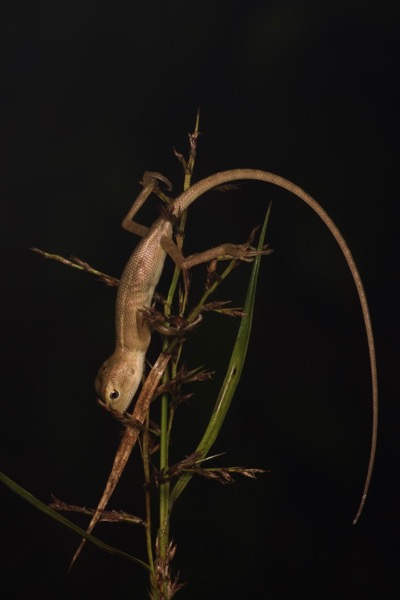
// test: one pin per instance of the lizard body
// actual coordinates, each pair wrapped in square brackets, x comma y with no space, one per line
[120,375]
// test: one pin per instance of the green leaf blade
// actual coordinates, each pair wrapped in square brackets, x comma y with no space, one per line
[234,370]
[28,497]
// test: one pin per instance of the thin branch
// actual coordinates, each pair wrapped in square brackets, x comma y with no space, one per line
[79,264]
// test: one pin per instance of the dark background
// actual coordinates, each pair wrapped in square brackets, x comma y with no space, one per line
[95,93]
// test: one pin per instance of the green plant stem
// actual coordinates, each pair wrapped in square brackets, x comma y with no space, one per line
[166,416]
[147,482]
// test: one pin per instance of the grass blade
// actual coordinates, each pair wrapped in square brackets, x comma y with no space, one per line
[233,373]
[20,491]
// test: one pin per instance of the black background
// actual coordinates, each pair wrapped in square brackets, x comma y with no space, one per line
[95,93]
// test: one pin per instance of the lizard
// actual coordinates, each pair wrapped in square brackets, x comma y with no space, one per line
[120,375]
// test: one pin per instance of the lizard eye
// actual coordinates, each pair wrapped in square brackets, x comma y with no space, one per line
[114,395]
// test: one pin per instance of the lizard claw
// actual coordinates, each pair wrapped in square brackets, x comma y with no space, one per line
[150,176]
[179,328]
[245,252]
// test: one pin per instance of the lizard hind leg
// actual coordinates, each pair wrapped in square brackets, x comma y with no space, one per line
[225,251]
[150,185]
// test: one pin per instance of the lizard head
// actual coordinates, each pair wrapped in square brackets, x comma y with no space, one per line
[119,378]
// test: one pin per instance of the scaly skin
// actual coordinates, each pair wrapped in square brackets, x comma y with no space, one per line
[120,375]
